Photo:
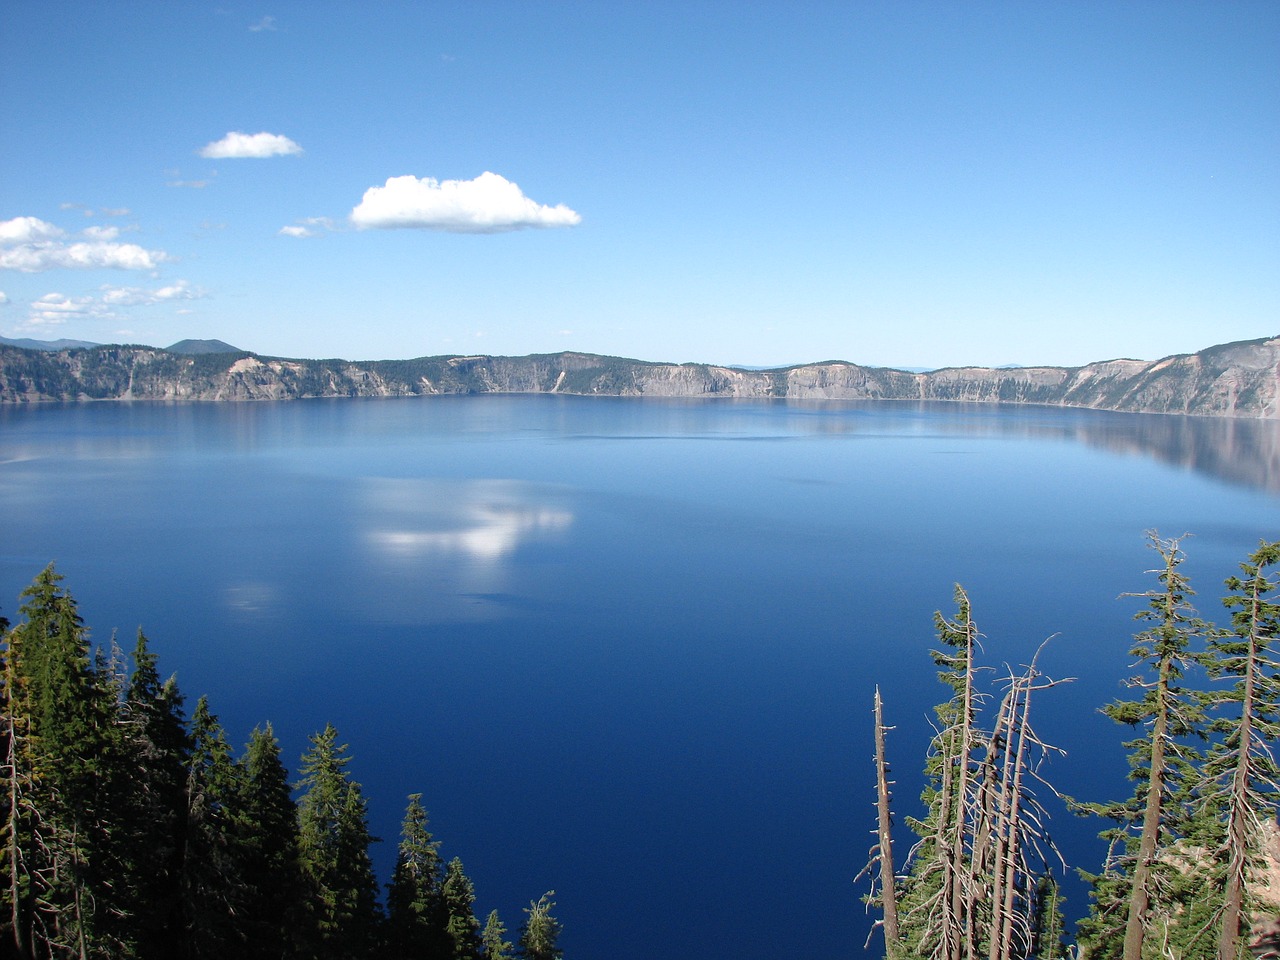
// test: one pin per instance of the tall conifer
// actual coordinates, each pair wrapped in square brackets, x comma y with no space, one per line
[333,849]
[416,914]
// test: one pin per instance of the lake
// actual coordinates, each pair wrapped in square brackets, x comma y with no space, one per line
[626,648]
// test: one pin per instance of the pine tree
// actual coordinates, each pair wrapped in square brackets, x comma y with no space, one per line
[212,885]
[1241,770]
[417,917]
[268,828]
[333,849]
[59,736]
[494,939]
[1138,891]
[540,934]
[937,910]
[459,903]
[155,751]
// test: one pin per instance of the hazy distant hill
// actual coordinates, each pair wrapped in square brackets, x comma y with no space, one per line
[203,346]
[29,344]
[1234,380]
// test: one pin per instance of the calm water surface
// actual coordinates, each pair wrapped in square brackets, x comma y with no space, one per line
[626,648]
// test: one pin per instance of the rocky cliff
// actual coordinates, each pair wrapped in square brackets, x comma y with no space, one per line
[1231,380]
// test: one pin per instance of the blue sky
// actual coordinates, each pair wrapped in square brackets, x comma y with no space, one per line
[891,183]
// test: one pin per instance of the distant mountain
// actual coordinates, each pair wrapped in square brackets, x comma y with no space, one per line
[191,347]
[28,344]
[1230,380]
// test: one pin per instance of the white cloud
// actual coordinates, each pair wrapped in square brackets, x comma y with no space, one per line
[31,245]
[4,298]
[55,308]
[308,227]
[27,230]
[193,184]
[114,211]
[135,296]
[237,145]
[266,23]
[488,204]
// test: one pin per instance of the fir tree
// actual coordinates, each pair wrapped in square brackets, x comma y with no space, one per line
[156,749]
[459,903]
[1241,770]
[540,934]
[1138,891]
[268,829]
[416,914]
[333,849]
[59,742]
[493,939]
[212,883]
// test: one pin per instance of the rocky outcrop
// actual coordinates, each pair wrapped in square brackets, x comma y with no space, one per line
[1231,380]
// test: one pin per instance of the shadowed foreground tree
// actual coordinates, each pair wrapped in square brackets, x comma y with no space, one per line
[333,851]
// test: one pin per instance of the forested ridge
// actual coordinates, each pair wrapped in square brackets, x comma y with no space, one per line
[133,831]
[1193,852]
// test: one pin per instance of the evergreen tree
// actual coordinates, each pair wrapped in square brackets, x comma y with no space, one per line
[937,909]
[156,749]
[333,849]
[494,939]
[459,903]
[212,883]
[59,746]
[417,918]
[1139,890]
[540,934]
[273,908]
[1241,770]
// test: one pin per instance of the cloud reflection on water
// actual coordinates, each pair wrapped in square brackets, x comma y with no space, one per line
[462,539]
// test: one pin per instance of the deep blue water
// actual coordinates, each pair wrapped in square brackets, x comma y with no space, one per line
[626,648]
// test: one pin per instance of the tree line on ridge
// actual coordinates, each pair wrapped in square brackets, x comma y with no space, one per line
[1191,852]
[130,831]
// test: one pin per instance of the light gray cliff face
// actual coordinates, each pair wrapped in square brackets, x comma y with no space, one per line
[1232,380]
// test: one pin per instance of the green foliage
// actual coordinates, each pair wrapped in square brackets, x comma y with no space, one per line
[129,832]
[540,934]
[459,902]
[494,939]
[333,848]
[267,828]
[416,914]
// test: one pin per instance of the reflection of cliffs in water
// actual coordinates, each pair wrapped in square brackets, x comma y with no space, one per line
[1239,451]
[1231,380]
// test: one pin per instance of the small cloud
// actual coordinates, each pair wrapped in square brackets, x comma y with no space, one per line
[31,245]
[102,233]
[488,204]
[308,227]
[55,308]
[4,298]
[136,296]
[266,23]
[193,184]
[114,211]
[236,145]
